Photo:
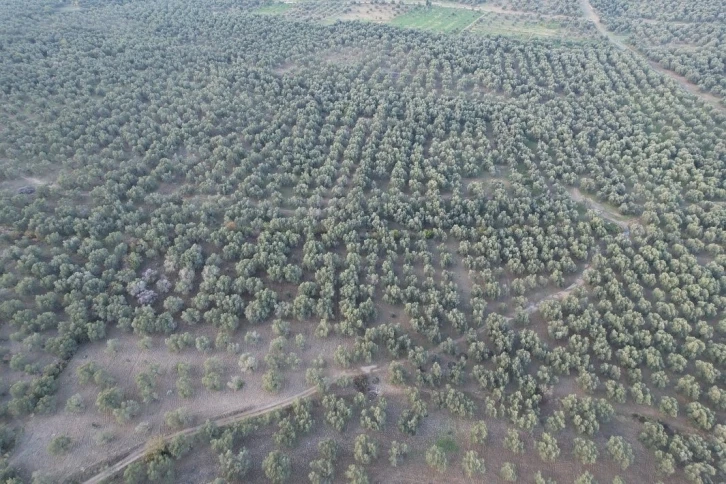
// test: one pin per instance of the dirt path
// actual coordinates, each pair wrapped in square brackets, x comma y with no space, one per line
[690,87]
[471,24]
[602,210]
[139,452]
[580,281]
[34,181]
[593,17]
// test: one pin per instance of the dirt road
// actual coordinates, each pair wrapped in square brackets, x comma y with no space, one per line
[138,453]
[602,210]
[593,17]
[690,87]
[471,24]
[580,281]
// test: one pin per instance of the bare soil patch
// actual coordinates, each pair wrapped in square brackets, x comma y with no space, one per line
[70,8]
[85,428]
[285,68]
[15,184]
[345,56]
[602,210]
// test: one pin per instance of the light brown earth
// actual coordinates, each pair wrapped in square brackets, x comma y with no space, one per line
[31,450]
[139,452]
[223,419]
[602,210]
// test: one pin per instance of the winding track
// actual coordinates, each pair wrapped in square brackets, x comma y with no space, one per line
[471,24]
[138,452]
[687,85]
[602,210]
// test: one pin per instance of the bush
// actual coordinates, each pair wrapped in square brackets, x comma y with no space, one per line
[272,381]
[508,472]
[479,432]
[365,449]
[585,451]
[436,458]
[398,451]
[59,445]
[547,448]
[356,475]
[247,363]
[276,467]
[212,379]
[75,404]
[177,419]
[235,466]
[126,411]
[472,464]
[620,451]
[109,399]
[236,383]
[112,346]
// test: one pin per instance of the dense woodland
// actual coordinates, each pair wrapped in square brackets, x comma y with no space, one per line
[526,237]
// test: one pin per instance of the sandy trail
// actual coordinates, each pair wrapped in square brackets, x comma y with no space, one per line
[139,452]
[602,210]
[690,87]
[136,453]
[474,22]
[580,281]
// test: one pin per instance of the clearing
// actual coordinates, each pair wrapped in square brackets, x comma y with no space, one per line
[490,8]
[87,427]
[223,420]
[365,12]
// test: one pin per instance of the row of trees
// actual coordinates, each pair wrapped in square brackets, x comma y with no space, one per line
[413,197]
[694,50]
[666,10]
